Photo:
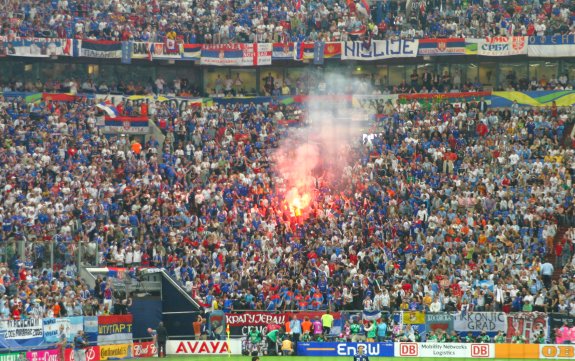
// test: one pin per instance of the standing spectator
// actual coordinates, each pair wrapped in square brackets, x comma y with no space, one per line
[327,322]
[547,272]
[62,342]
[296,329]
[162,336]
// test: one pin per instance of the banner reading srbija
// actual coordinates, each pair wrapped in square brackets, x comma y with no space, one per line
[502,46]
[379,49]
[236,54]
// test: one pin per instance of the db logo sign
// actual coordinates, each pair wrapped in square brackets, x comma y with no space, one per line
[479,350]
[408,349]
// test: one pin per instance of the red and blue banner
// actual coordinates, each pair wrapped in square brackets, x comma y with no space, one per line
[115,329]
[104,49]
[192,51]
[551,46]
[282,51]
[303,51]
[441,47]
[126,122]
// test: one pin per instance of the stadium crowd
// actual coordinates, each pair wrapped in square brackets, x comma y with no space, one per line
[200,21]
[444,207]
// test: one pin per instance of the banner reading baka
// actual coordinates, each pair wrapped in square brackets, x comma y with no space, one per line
[236,54]
[115,329]
[104,49]
[441,47]
[502,46]
[379,49]
[21,333]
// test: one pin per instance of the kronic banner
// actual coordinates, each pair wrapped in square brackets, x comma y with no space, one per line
[480,321]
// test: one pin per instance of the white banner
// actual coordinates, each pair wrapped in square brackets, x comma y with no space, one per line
[379,49]
[502,46]
[445,350]
[22,329]
[371,103]
[35,47]
[557,351]
[237,54]
[175,347]
[480,321]
[552,46]
[52,328]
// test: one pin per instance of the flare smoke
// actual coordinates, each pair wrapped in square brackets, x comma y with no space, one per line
[314,156]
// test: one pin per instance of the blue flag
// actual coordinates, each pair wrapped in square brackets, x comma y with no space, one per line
[127,52]
[318,52]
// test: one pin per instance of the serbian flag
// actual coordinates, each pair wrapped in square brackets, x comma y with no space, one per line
[192,51]
[108,108]
[364,8]
[303,51]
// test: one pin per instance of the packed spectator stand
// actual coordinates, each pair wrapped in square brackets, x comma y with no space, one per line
[442,197]
[281,21]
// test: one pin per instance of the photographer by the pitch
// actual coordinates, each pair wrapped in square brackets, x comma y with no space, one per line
[80,344]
